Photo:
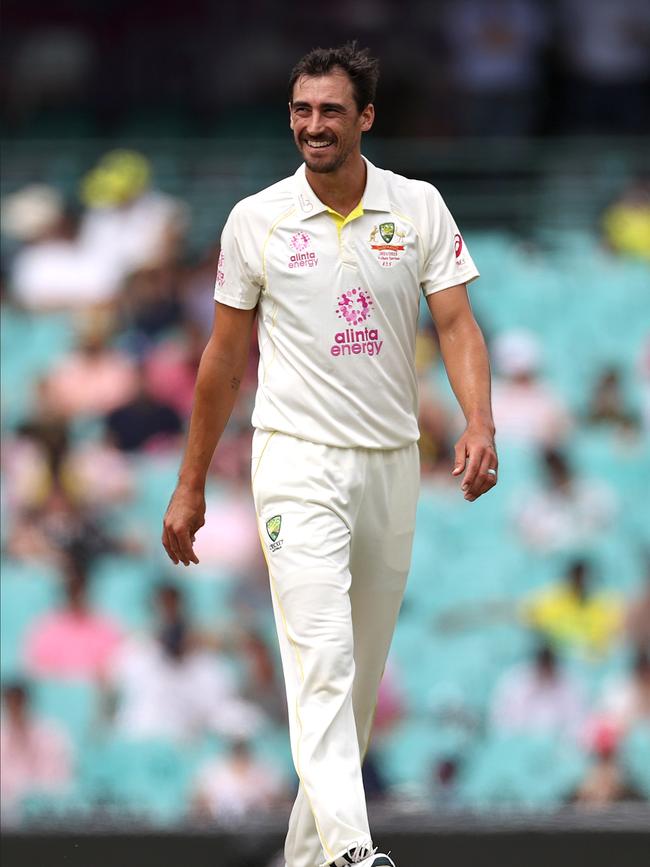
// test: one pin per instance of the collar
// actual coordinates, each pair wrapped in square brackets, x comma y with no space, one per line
[375,196]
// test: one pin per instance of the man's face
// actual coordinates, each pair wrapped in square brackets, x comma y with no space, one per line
[326,123]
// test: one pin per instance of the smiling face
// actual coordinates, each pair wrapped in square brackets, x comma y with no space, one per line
[326,123]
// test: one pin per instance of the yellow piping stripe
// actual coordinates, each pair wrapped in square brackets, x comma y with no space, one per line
[264,280]
[274,588]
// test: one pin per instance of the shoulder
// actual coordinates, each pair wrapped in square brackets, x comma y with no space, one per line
[409,190]
[417,200]
[265,207]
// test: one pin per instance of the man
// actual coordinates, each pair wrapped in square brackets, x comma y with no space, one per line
[333,260]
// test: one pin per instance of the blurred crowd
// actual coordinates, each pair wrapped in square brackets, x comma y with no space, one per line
[114,266]
[477,67]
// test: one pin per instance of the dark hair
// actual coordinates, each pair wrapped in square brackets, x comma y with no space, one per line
[16,689]
[358,65]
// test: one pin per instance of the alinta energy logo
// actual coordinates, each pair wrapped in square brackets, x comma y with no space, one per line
[303,256]
[221,277]
[355,307]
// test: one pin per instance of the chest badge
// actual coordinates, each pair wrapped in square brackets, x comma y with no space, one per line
[302,252]
[387,253]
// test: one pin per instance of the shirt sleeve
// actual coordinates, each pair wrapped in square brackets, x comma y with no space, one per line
[447,261]
[239,280]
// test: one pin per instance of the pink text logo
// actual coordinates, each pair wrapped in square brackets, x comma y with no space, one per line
[303,257]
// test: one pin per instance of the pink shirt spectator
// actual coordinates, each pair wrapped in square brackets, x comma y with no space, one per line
[71,644]
[85,384]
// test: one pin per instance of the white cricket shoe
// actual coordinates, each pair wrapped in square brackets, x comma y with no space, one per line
[363,856]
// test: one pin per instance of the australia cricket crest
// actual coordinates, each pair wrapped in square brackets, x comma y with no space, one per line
[388,253]
[273,526]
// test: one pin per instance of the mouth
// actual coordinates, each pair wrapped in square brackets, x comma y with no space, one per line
[317,144]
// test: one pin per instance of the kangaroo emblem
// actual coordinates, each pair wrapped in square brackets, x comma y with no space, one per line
[373,234]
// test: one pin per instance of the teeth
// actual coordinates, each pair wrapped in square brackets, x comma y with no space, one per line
[318,144]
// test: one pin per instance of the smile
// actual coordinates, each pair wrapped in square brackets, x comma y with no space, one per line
[319,145]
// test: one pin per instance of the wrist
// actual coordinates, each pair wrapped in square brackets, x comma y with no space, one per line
[485,424]
[192,483]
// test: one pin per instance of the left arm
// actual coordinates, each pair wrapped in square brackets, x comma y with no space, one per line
[468,368]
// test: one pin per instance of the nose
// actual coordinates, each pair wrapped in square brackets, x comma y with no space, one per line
[315,125]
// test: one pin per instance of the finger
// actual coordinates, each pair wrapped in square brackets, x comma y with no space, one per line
[176,546]
[483,480]
[460,457]
[473,466]
[185,549]
[167,545]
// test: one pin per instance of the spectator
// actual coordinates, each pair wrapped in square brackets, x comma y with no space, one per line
[626,222]
[35,754]
[149,306]
[32,460]
[605,782]
[171,368]
[169,685]
[73,641]
[57,271]
[93,380]
[237,786]
[144,422]
[608,405]
[567,511]
[526,410]
[573,614]
[30,214]
[63,527]
[626,702]
[143,228]
[637,616]
[444,782]
[539,697]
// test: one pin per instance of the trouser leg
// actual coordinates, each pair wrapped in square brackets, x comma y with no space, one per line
[380,559]
[310,582]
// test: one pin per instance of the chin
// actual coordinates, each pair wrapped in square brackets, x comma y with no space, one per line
[321,168]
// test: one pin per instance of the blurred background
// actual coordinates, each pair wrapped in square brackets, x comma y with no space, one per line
[143,705]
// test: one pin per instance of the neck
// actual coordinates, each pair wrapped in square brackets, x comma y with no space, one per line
[340,190]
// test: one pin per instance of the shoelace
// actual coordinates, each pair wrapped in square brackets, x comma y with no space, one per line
[360,851]
[356,853]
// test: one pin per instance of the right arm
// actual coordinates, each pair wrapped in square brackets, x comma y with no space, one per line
[220,373]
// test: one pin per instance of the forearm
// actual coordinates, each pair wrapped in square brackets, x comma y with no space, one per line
[468,367]
[216,390]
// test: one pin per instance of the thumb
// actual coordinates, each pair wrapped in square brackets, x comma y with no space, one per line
[459,462]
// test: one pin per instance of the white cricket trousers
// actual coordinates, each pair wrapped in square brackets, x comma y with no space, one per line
[337,527]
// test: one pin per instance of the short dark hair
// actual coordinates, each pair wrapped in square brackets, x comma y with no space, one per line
[358,65]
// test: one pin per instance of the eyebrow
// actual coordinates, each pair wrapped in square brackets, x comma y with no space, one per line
[326,106]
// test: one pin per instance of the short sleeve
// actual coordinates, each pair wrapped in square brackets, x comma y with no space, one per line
[447,261]
[238,282]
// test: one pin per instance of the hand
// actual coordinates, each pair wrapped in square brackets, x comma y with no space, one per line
[184,516]
[476,454]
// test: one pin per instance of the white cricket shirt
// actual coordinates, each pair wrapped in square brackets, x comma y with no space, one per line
[338,303]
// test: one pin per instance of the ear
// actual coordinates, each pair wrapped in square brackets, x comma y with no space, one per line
[290,117]
[367,117]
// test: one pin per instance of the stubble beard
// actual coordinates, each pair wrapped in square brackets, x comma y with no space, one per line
[323,167]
